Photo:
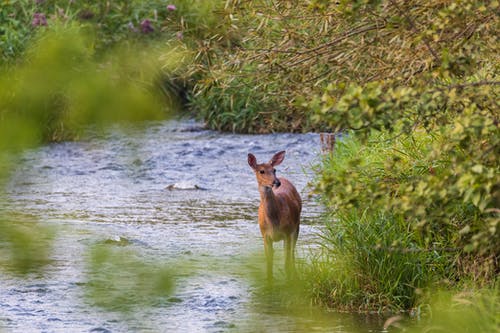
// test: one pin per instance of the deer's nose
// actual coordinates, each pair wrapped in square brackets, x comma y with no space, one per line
[276,182]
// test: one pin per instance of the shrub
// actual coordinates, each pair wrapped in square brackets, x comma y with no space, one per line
[280,54]
[421,199]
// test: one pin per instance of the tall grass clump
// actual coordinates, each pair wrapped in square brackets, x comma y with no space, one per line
[375,264]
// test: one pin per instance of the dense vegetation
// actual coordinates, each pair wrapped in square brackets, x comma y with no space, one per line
[414,184]
[412,187]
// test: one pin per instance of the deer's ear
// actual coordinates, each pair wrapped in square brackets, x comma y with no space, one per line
[252,161]
[277,158]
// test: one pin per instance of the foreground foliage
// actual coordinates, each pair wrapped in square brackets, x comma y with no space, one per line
[467,311]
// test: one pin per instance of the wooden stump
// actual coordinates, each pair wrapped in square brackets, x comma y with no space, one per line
[327,141]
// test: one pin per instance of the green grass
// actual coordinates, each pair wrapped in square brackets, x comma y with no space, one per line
[373,263]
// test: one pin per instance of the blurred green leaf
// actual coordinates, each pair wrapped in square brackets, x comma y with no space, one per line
[25,244]
[119,280]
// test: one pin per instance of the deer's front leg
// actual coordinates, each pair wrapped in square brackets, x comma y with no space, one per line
[268,248]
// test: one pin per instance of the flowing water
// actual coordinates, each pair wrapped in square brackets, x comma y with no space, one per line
[169,191]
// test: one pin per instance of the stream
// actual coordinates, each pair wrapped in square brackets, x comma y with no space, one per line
[167,191]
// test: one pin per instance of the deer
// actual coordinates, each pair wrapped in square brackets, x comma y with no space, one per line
[279,211]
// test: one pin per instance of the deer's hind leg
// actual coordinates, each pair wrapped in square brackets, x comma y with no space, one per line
[289,255]
[290,243]
[294,237]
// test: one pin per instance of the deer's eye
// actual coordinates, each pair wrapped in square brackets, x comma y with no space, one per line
[261,172]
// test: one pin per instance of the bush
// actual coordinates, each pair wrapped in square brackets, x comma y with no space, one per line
[418,208]
[281,54]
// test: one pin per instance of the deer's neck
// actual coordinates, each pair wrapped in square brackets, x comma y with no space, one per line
[270,204]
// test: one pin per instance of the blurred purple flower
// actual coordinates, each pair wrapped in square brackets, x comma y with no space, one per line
[146,26]
[171,8]
[39,19]
[179,35]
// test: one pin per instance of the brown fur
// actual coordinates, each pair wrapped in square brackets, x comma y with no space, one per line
[279,210]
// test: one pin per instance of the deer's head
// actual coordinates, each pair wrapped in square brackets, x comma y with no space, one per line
[265,172]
